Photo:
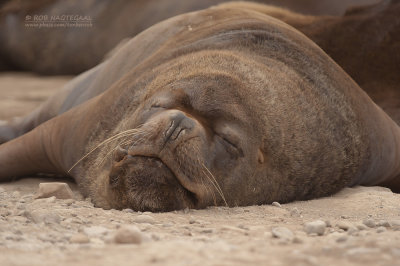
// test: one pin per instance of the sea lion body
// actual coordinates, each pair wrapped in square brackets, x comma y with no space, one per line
[365,42]
[216,107]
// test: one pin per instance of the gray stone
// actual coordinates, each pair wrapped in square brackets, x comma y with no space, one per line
[79,239]
[144,219]
[369,222]
[344,225]
[207,231]
[328,223]
[384,223]
[361,227]
[283,233]
[361,251]
[128,234]
[295,212]
[342,238]
[316,227]
[69,202]
[95,231]
[276,204]
[381,229]
[395,224]
[58,190]
[43,216]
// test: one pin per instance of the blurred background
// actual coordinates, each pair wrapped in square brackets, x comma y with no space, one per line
[39,35]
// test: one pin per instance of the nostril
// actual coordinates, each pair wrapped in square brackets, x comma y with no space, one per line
[174,128]
[177,133]
[119,154]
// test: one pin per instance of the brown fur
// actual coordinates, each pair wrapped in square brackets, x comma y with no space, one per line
[365,43]
[221,106]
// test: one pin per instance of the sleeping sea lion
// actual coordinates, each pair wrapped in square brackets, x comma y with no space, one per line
[224,106]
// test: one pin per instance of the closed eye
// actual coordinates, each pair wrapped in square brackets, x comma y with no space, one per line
[231,147]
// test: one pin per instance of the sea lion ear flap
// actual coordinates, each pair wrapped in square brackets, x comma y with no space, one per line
[119,154]
[262,151]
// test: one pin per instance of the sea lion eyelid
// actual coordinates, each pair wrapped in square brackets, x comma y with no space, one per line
[224,138]
[156,105]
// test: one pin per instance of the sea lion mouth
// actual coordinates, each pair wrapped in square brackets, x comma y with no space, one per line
[151,184]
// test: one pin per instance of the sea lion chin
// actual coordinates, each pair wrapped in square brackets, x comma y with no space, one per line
[237,109]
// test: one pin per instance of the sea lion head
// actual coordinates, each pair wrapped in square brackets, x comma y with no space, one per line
[193,145]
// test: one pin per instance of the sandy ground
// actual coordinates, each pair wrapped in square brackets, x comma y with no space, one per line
[362,224]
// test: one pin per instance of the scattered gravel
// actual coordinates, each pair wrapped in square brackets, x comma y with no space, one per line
[242,233]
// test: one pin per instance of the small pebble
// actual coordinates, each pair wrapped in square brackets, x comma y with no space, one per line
[5,213]
[79,239]
[369,222]
[283,233]
[242,226]
[128,210]
[295,212]
[16,194]
[43,216]
[95,231]
[395,224]
[342,238]
[128,234]
[56,189]
[297,240]
[316,227]
[328,223]
[69,202]
[276,204]
[384,223]
[344,225]
[381,229]
[207,231]
[144,219]
[352,231]
[361,251]
[361,227]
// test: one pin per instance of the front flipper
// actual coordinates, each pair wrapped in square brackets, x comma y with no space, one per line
[7,132]
[25,155]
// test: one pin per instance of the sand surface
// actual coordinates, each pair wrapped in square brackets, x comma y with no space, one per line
[362,224]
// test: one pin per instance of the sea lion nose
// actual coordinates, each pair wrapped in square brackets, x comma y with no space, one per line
[178,126]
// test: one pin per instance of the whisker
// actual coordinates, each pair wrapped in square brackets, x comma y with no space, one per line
[218,188]
[126,133]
